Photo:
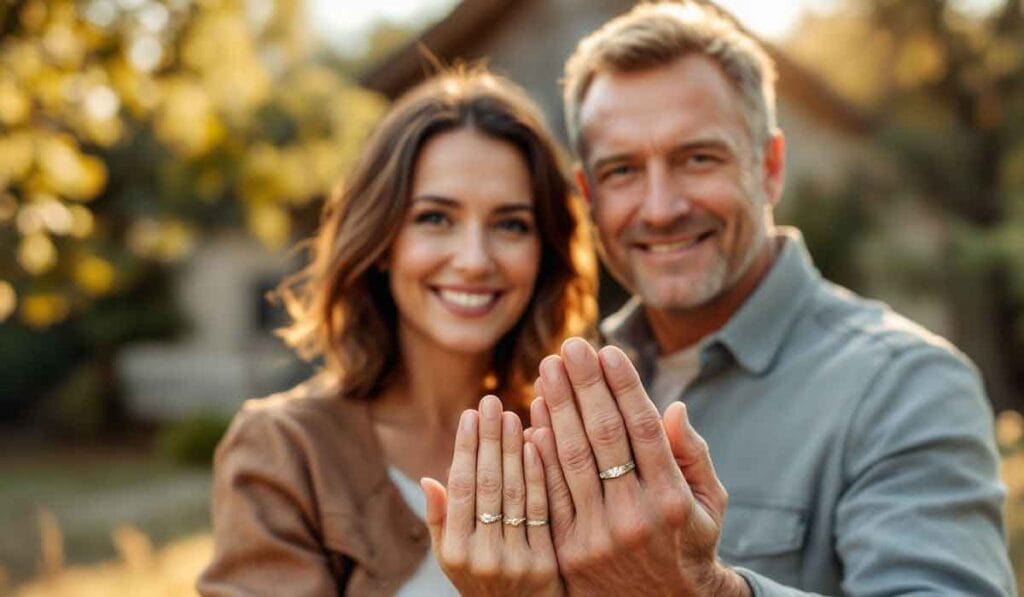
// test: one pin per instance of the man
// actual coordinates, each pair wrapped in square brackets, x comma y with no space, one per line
[856,447]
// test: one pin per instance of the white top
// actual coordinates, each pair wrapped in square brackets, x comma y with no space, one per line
[673,373]
[428,580]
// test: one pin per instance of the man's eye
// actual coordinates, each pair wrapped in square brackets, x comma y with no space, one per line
[431,218]
[617,171]
[704,159]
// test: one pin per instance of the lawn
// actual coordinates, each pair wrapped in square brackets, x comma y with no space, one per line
[63,507]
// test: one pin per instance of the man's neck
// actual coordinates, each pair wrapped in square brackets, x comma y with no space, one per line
[675,330]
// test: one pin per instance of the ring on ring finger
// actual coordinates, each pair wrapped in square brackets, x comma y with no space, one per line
[489,518]
[514,521]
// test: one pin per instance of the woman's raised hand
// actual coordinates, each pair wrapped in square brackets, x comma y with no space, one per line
[489,530]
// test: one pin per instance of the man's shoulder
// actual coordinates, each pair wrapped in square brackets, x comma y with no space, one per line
[869,326]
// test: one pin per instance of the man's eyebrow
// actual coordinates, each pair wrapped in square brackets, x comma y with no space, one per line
[715,143]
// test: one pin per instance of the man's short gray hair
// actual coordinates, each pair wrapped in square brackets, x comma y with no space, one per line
[657,34]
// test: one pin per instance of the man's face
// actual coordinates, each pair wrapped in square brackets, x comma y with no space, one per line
[680,196]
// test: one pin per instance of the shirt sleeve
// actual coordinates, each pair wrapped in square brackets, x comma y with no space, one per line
[921,512]
[265,535]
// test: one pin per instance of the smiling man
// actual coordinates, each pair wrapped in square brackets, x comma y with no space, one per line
[856,448]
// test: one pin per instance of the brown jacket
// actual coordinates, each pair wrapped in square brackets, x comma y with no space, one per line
[303,505]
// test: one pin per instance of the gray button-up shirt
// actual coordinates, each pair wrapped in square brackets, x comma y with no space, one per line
[857,447]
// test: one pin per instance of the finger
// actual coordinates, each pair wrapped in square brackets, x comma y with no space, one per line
[694,460]
[436,497]
[647,438]
[538,535]
[574,453]
[459,522]
[561,511]
[488,466]
[600,412]
[539,416]
[513,483]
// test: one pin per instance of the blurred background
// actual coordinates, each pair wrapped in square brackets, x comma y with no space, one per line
[158,159]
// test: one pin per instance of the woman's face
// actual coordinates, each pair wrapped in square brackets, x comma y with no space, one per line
[465,261]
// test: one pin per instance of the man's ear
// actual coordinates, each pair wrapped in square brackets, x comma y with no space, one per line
[581,183]
[774,167]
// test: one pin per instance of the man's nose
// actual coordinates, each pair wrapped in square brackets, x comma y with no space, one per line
[664,201]
[472,254]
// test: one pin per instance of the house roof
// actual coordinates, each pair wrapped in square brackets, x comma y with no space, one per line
[472,20]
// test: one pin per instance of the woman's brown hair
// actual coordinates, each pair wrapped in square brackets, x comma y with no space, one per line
[340,304]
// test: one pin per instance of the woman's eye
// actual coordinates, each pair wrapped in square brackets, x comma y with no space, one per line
[515,225]
[431,218]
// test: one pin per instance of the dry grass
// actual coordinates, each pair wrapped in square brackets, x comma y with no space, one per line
[140,570]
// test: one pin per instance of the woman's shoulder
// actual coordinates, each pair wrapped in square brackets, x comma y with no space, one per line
[304,413]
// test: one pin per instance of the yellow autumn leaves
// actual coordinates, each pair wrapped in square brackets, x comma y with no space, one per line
[80,79]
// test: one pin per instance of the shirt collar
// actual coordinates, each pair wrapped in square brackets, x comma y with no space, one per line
[754,334]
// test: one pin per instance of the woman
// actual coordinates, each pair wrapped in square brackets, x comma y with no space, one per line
[450,263]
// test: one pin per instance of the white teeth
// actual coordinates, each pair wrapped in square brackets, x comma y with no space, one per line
[467,299]
[669,247]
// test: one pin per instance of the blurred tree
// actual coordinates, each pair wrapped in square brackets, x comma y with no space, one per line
[947,78]
[129,127]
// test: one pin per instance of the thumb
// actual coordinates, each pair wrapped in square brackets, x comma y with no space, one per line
[437,504]
[694,460]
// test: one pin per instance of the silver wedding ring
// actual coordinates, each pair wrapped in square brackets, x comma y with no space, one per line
[513,521]
[489,518]
[617,471]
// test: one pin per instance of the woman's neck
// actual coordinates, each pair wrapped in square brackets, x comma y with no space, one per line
[432,387]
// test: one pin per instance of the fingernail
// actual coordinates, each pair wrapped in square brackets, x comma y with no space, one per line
[508,424]
[575,351]
[468,422]
[490,407]
[549,369]
[611,357]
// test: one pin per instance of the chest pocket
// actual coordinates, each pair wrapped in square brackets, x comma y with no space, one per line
[765,538]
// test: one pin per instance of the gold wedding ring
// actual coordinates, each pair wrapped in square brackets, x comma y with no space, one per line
[617,471]
[536,522]
[512,521]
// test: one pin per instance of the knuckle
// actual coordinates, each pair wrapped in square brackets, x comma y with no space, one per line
[646,427]
[514,492]
[536,510]
[605,429]
[453,559]
[462,487]
[488,482]
[576,457]
[674,508]
[514,568]
[485,568]
[633,532]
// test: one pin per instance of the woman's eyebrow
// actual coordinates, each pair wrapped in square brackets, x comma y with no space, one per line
[514,207]
[446,201]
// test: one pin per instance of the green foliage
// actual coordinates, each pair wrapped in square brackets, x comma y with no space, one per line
[192,441]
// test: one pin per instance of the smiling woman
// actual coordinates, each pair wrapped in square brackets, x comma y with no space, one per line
[452,261]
